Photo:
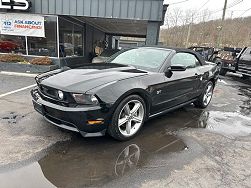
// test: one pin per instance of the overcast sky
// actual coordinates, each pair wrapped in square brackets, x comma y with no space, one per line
[242,9]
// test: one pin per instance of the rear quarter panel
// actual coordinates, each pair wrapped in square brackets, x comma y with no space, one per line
[209,71]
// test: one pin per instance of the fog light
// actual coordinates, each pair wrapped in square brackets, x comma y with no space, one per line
[95,122]
[61,95]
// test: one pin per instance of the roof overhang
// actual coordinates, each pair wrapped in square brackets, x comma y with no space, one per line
[117,27]
[120,9]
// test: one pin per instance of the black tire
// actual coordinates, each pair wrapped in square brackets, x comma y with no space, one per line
[223,72]
[200,101]
[113,129]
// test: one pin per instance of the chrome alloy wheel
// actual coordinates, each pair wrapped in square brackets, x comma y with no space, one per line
[131,118]
[208,94]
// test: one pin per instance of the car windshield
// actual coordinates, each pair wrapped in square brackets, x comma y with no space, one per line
[143,58]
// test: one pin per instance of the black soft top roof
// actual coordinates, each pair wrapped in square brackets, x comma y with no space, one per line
[178,50]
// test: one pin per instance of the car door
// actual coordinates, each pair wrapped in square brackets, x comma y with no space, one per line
[244,64]
[181,86]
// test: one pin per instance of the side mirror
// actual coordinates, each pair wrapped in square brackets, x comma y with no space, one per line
[177,68]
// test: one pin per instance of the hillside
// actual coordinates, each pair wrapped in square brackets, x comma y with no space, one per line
[236,33]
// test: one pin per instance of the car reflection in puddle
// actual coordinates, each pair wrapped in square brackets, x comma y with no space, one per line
[229,124]
[96,161]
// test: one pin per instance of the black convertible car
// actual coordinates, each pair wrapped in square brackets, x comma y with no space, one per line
[118,96]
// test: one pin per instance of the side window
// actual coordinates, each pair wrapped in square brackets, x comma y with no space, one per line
[185,59]
[247,55]
[248,51]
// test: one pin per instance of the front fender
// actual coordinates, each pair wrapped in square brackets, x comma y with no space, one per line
[112,94]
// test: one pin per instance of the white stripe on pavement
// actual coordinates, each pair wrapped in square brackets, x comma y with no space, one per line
[16,91]
[18,74]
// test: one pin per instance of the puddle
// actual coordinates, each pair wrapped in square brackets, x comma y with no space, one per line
[93,161]
[26,177]
[229,124]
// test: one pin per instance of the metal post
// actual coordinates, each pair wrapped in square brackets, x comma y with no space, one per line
[189,31]
[73,39]
[26,44]
[116,44]
[58,48]
[224,10]
[110,41]
[219,41]
[188,35]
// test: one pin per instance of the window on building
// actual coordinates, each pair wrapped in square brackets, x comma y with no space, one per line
[45,46]
[12,44]
[70,38]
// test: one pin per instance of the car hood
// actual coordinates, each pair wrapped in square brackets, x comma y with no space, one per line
[89,77]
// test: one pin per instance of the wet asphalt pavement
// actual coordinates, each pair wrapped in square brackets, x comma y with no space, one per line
[185,148]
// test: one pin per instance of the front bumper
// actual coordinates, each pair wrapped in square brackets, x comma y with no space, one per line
[72,118]
[228,66]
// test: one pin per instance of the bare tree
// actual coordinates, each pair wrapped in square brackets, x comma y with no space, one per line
[236,33]
[175,17]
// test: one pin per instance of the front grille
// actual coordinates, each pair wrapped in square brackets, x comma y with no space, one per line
[51,95]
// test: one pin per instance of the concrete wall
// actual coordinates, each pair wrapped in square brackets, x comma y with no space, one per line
[152,35]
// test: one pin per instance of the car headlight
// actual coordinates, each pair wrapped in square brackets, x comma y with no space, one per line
[87,99]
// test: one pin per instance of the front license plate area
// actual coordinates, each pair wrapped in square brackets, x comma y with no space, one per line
[52,112]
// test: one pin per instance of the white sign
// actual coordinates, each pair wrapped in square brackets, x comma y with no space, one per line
[22,25]
[15,4]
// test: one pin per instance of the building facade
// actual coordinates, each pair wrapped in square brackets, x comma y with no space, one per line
[69,30]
